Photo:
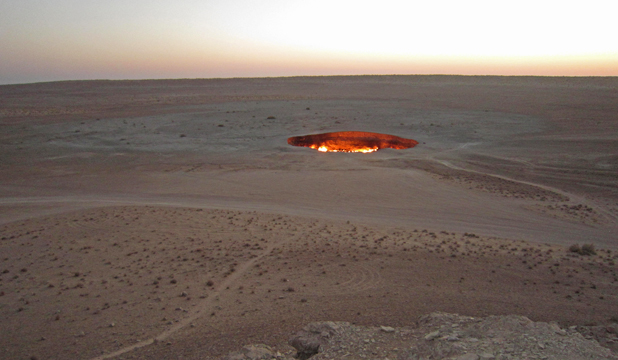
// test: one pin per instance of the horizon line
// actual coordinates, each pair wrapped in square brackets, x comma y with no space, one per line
[310,76]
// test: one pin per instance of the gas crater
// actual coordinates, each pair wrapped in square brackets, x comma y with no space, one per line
[352,141]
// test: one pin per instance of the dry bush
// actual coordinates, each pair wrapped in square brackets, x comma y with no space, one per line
[588,249]
[575,248]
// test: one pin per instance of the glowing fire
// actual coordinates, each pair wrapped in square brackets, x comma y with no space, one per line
[326,149]
[351,141]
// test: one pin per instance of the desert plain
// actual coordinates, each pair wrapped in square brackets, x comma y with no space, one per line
[170,218]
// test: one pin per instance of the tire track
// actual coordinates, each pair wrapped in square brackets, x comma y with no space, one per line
[609,217]
[355,280]
[200,310]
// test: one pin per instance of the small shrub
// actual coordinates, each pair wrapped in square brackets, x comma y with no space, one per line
[588,249]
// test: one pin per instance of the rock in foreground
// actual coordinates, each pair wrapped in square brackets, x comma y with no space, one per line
[437,336]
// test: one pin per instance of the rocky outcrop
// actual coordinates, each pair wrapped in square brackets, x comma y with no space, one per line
[440,336]
[314,336]
[254,352]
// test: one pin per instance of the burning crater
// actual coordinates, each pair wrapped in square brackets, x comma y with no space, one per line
[352,141]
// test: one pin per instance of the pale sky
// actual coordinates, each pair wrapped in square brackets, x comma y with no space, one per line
[46,40]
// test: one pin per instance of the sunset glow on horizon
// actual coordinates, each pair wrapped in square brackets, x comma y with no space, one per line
[139,39]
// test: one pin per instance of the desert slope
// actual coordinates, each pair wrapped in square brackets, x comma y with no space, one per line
[109,190]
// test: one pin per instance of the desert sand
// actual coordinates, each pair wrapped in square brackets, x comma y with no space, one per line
[171,219]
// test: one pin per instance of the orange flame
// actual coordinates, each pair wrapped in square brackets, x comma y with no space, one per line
[324,148]
[351,141]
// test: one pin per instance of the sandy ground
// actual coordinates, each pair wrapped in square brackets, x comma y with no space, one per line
[169,219]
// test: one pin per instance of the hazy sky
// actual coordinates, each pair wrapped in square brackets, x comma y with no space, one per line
[43,40]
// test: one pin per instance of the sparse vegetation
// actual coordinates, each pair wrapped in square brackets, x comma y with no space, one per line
[586,249]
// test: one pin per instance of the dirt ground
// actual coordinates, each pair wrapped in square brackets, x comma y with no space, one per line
[171,219]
